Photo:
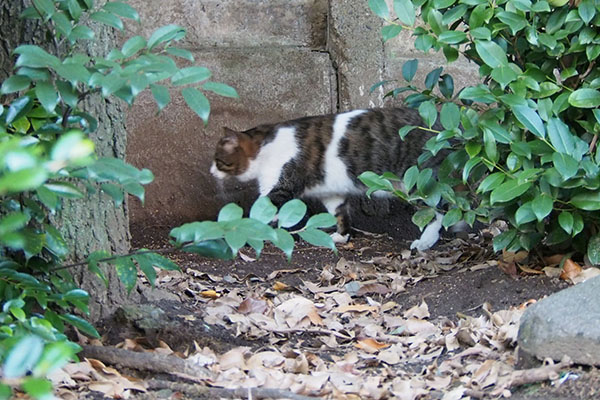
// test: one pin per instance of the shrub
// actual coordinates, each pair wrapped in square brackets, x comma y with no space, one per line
[525,140]
[46,157]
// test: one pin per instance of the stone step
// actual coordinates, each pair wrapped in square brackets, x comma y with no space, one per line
[237,23]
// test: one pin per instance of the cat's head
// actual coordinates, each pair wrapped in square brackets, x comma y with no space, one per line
[234,152]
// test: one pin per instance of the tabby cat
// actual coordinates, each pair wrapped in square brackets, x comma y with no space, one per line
[322,156]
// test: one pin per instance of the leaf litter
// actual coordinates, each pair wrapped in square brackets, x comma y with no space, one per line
[342,335]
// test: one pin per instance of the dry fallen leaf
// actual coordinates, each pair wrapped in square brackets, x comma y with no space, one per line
[570,270]
[370,345]
[280,286]
[355,308]
[253,305]
[585,275]
[210,294]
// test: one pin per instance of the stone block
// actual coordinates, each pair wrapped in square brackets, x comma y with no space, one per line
[565,323]
[273,84]
[238,23]
[357,50]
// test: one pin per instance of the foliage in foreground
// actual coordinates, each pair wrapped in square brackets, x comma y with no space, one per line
[47,157]
[525,140]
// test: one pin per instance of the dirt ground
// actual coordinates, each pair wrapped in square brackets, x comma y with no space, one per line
[466,278]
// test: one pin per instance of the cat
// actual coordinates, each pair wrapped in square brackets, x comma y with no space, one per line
[322,156]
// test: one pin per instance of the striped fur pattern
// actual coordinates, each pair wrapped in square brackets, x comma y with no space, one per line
[322,157]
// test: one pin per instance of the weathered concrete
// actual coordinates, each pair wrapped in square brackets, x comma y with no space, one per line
[273,84]
[565,323]
[238,23]
[357,51]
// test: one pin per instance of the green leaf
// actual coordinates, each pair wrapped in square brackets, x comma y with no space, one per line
[472,163]
[190,75]
[291,213]
[126,271]
[24,179]
[181,53]
[263,210]
[55,355]
[230,212]
[133,45]
[491,54]
[501,241]
[390,31]
[453,216]
[322,220]
[585,98]
[15,83]
[593,250]
[446,85]
[560,136]
[46,7]
[405,11]
[64,189]
[211,248]
[452,37]
[285,242]
[489,143]
[508,191]
[35,57]
[405,130]
[122,10]
[428,112]
[197,231]
[47,95]
[221,89]
[22,357]
[81,324]
[587,10]
[380,8]
[433,77]
[450,116]
[55,242]
[165,34]
[17,109]
[525,214]
[318,238]
[504,75]
[236,239]
[410,177]
[542,206]
[422,217]
[565,219]
[530,119]
[491,182]
[589,201]
[566,165]
[409,69]
[197,102]
[161,95]
[107,19]
[514,21]
[81,32]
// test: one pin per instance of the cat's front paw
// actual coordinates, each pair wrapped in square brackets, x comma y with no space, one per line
[338,238]
[425,242]
[430,235]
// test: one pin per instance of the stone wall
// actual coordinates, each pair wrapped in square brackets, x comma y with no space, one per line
[286,58]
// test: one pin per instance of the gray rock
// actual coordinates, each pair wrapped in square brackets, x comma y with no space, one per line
[565,323]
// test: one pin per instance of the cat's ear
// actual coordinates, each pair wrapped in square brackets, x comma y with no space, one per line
[230,140]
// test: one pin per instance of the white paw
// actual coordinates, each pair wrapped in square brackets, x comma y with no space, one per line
[337,238]
[430,235]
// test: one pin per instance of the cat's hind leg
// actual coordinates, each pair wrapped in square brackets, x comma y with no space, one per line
[338,206]
[430,235]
